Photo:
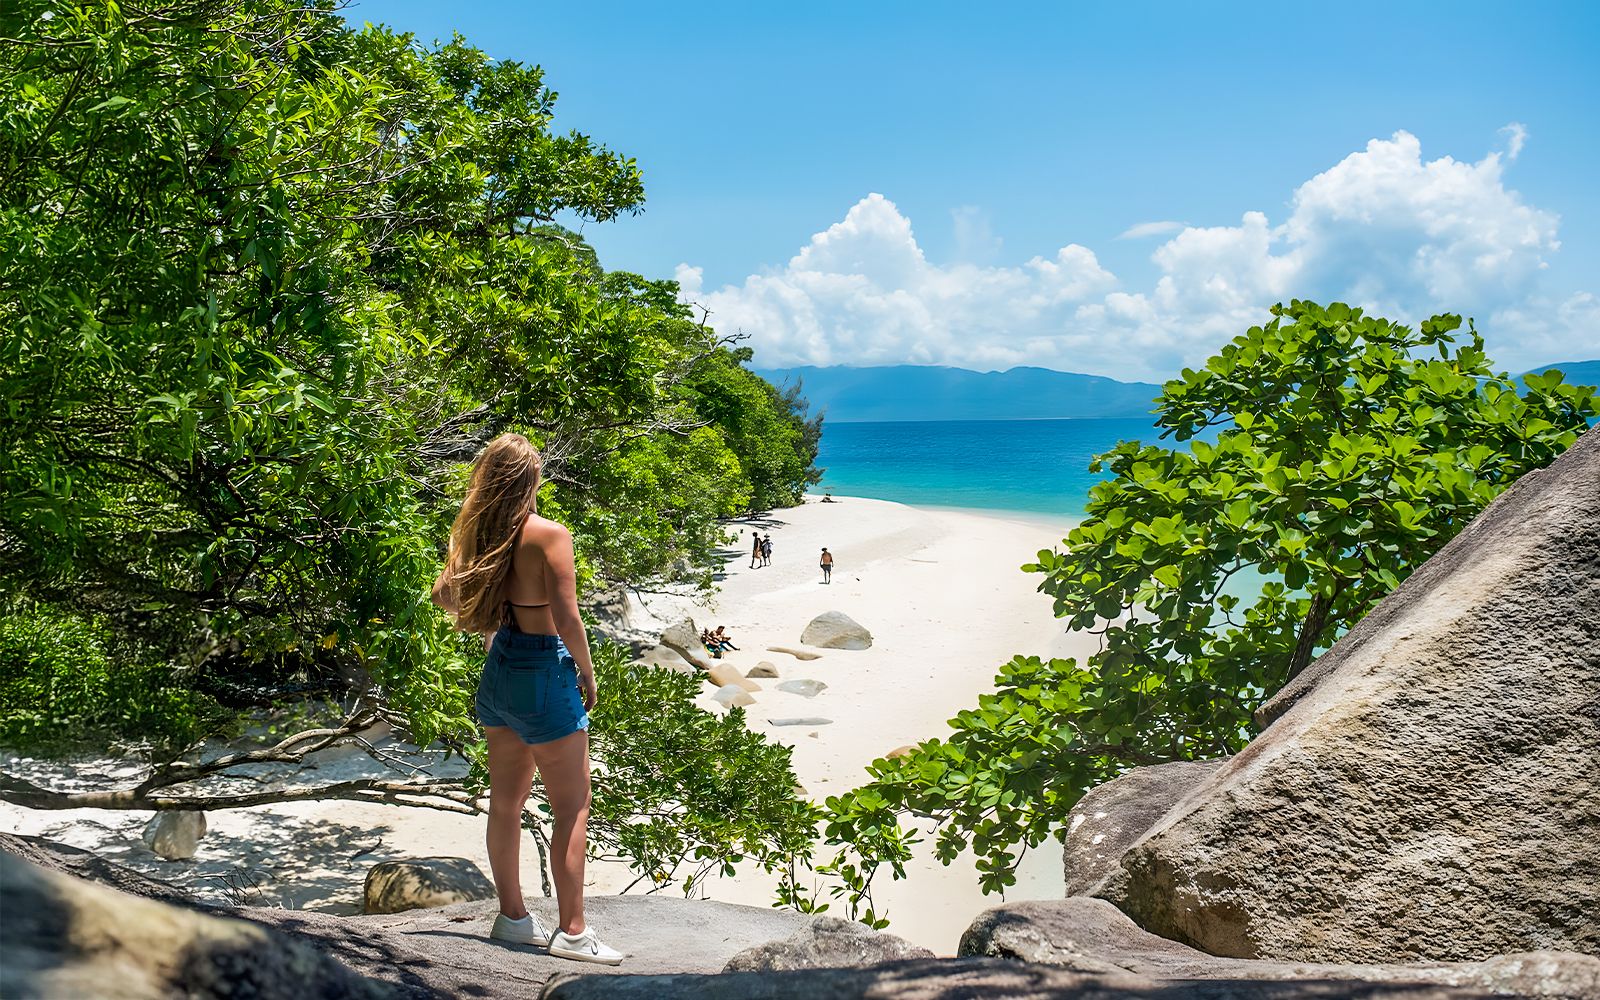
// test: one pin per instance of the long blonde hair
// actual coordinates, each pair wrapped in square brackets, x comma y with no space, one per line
[483,540]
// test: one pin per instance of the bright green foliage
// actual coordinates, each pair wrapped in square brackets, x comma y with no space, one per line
[1329,454]
[775,450]
[60,686]
[267,282]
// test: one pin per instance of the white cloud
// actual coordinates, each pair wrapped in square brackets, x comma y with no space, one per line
[1516,135]
[1383,229]
[1143,230]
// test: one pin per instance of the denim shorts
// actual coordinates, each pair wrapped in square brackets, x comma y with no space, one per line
[530,684]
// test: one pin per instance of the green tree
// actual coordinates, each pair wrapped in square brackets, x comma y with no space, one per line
[1328,455]
[267,282]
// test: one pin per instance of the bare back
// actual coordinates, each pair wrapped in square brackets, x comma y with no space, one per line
[528,586]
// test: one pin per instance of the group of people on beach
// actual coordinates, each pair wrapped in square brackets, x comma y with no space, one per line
[760,550]
[761,555]
[717,642]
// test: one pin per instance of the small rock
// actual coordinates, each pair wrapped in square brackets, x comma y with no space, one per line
[799,654]
[826,943]
[836,630]
[724,674]
[419,883]
[762,669]
[807,720]
[806,688]
[902,751]
[732,696]
[175,834]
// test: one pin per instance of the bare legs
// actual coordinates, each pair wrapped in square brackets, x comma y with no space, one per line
[565,766]
[564,763]
[510,781]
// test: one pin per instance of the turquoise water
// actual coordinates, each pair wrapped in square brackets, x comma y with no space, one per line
[1033,466]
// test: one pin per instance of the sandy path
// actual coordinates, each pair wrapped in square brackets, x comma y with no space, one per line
[940,591]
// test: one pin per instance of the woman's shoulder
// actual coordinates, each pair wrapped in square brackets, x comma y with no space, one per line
[539,529]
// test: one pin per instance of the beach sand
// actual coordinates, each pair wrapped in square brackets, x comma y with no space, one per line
[943,596]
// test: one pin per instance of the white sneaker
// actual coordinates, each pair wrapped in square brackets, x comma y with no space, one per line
[583,947]
[528,930]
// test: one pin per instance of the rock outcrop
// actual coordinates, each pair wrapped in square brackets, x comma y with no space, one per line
[1112,817]
[1430,788]
[826,943]
[90,867]
[175,835]
[65,937]
[419,883]
[684,639]
[447,952]
[972,979]
[1090,935]
[836,630]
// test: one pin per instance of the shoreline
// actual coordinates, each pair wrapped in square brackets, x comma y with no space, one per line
[940,589]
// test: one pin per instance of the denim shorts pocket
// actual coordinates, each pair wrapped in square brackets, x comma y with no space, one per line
[526,693]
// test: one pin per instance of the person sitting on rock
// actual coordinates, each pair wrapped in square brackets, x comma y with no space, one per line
[711,644]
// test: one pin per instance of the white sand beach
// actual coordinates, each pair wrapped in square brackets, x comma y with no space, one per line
[940,590]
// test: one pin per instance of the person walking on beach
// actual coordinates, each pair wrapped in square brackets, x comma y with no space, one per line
[827,565]
[510,577]
[766,550]
[755,549]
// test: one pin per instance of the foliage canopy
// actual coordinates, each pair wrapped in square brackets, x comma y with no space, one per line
[266,282]
[1329,453]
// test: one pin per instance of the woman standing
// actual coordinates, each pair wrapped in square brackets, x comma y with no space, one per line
[510,577]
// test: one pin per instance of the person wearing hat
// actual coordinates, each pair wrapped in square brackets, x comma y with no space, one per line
[827,565]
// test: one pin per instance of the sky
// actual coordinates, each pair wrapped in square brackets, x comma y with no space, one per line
[1115,189]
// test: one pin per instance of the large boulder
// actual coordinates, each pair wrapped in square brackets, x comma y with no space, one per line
[1090,935]
[970,979]
[1429,787]
[65,937]
[1112,817]
[447,952]
[836,630]
[826,943]
[418,883]
[82,864]
[684,639]
[175,834]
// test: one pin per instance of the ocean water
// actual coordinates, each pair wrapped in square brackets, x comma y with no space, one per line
[1028,466]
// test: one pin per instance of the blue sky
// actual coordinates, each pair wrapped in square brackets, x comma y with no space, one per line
[1406,156]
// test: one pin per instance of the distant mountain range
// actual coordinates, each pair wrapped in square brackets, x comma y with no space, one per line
[848,393]
[927,392]
[1577,372]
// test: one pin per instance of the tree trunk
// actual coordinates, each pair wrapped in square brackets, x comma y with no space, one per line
[1310,632]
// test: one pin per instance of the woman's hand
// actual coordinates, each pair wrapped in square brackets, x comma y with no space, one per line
[591,693]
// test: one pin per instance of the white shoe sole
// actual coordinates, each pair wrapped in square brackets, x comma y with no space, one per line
[584,956]
[536,942]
